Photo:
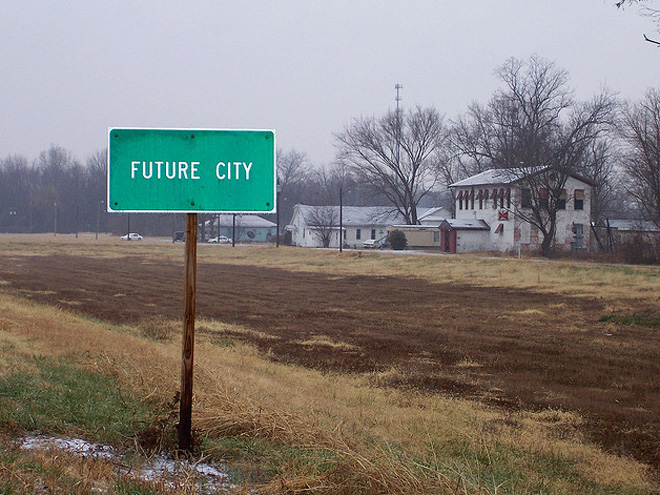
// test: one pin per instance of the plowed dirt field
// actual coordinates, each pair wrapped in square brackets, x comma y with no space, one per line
[512,348]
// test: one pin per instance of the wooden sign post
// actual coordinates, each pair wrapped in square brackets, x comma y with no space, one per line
[188,346]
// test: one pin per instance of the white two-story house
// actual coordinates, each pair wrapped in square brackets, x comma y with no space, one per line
[491,208]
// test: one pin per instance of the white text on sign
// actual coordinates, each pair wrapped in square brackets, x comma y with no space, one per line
[180,170]
[165,170]
[224,170]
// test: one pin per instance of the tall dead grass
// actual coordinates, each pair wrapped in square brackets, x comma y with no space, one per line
[374,440]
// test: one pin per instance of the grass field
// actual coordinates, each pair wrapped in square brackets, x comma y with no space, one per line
[360,372]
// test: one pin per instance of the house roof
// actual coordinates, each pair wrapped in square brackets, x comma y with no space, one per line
[505,176]
[434,215]
[364,215]
[490,177]
[243,221]
[633,225]
[473,224]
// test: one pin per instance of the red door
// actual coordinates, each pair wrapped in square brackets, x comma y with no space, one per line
[448,241]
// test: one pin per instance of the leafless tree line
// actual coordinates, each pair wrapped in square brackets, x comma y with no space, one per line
[56,192]
[402,159]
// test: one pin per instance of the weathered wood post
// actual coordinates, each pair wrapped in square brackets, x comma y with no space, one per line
[188,347]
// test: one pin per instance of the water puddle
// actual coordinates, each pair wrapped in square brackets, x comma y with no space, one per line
[175,473]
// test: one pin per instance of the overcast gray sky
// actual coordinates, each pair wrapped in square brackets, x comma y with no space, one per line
[69,70]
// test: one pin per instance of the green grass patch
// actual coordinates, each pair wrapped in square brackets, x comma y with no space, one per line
[493,469]
[257,461]
[649,319]
[124,487]
[59,398]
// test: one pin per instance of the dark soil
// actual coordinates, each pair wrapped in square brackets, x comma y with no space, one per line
[515,348]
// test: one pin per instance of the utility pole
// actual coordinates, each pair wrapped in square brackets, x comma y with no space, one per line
[277,236]
[341,219]
[98,218]
[233,230]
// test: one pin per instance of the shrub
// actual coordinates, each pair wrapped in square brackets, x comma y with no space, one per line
[398,240]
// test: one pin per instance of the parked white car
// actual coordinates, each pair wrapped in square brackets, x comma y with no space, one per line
[133,236]
[370,243]
[223,239]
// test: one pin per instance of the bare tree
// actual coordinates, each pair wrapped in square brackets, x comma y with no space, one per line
[396,156]
[58,189]
[646,10]
[324,220]
[598,166]
[331,181]
[470,145]
[293,172]
[534,128]
[641,163]
[16,187]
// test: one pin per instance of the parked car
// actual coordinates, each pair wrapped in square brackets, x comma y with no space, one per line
[179,236]
[133,236]
[223,239]
[370,243]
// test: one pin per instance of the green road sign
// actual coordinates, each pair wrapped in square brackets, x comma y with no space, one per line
[190,170]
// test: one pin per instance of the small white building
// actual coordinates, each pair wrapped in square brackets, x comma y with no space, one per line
[242,227]
[310,226]
[496,202]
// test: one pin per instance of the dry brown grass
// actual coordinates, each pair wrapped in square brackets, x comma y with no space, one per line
[376,434]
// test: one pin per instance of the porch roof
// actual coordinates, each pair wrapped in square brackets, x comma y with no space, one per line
[454,224]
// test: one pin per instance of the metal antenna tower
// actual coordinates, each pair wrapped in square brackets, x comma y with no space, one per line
[398,87]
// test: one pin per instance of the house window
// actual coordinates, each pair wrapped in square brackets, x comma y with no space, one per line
[436,236]
[344,234]
[561,204]
[472,199]
[480,195]
[543,195]
[508,198]
[526,198]
[501,198]
[578,199]
[494,198]
[358,234]
[373,233]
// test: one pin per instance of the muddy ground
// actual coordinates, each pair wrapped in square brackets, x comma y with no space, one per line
[512,348]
